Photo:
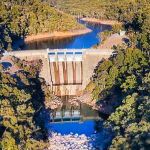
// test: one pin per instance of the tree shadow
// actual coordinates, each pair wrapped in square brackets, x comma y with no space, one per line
[34,87]
[126,40]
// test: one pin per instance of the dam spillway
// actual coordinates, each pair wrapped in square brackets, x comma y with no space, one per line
[66,71]
[66,68]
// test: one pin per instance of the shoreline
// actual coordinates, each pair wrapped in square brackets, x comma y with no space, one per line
[113,40]
[56,35]
[101,21]
[66,34]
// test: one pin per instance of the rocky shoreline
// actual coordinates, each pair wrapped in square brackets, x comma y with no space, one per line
[85,98]
[54,103]
[72,141]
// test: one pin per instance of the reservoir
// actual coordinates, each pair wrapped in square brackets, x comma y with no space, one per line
[78,42]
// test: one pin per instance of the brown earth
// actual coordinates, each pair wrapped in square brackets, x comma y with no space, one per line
[114,39]
[56,35]
[101,21]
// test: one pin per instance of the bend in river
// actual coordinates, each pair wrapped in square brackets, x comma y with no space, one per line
[78,42]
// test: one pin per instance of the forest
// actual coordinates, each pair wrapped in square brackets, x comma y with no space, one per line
[22,99]
[21,18]
[123,79]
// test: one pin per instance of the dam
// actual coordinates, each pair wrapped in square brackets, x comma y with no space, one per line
[66,71]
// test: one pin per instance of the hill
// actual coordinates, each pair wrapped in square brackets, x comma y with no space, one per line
[22,18]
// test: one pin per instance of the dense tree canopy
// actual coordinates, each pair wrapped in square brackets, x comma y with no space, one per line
[22,99]
[21,18]
[123,79]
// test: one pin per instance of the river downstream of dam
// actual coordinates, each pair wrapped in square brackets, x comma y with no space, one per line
[77,128]
[74,127]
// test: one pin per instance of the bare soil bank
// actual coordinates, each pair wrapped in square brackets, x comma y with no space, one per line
[56,35]
[113,40]
[106,22]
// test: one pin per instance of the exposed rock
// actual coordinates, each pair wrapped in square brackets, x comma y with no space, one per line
[80,142]
[69,142]
[54,103]
[102,105]
[85,98]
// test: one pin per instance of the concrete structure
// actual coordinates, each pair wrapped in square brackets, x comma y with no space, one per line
[66,115]
[67,71]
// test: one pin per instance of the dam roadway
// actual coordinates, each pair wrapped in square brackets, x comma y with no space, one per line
[66,71]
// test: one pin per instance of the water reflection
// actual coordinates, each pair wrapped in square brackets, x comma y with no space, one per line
[83,41]
[71,111]
[49,43]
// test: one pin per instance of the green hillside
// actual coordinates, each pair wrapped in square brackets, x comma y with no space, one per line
[22,18]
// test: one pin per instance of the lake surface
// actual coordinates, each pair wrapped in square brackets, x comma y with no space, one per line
[82,41]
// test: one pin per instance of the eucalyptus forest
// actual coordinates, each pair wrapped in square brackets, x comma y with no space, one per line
[122,81]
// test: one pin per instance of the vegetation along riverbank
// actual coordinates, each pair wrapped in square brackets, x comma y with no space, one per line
[24,18]
[56,35]
[119,86]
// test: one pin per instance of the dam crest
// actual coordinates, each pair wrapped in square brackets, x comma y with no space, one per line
[66,71]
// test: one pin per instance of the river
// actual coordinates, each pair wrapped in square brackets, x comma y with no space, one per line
[79,42]
[75,127]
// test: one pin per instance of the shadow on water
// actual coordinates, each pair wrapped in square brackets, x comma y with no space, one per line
[90,125]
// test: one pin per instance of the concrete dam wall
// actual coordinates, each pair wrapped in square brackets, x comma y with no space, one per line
[66,71]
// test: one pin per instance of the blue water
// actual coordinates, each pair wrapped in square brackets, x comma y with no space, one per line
[6,65]
[87,124]
[83,41]
[87,127]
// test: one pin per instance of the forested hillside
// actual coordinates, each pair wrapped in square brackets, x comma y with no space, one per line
[88,8]
[135,15]
[22,99]
[104,9]
[123,81]
[21,18]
